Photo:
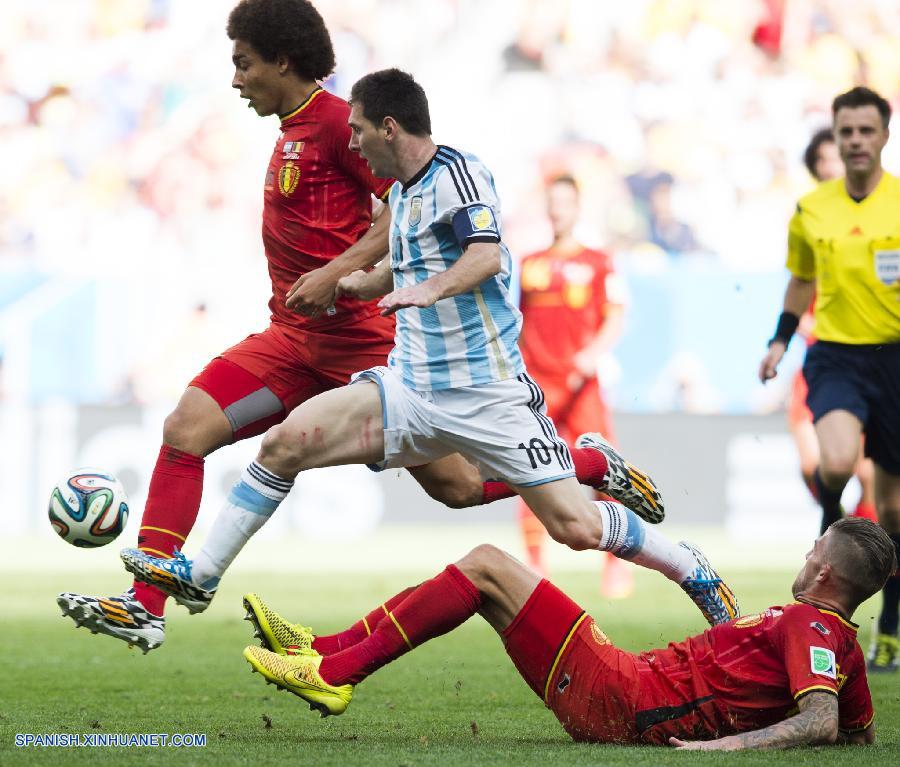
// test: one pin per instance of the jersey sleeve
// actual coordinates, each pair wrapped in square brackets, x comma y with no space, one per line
[855,711]
[465,199]
[808,654]
[800,258]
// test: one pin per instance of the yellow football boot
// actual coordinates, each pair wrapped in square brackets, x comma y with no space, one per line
[299,674]
[273,631]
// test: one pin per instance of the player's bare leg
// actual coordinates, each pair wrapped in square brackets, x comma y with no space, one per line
[885,652]
[503,582]
[452,480]
[339,427]
[865,473]
[581,524]
[804,434]
[839,433]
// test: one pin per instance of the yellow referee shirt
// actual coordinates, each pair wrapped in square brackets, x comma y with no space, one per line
[852,251]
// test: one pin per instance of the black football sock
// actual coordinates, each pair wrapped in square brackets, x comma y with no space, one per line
[889,620]
[829,500]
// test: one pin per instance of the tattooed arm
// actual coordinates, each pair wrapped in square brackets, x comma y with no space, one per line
[816,724]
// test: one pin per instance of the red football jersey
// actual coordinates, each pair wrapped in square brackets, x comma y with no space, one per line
[564,299]
[317,203]
[749,673]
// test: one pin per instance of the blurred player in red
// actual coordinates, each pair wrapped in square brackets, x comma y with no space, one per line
[572,305]
[791,675]
[823,161]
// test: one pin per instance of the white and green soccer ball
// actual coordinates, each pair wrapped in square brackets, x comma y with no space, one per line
[88,508]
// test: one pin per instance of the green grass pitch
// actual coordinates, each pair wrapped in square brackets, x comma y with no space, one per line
[457,700]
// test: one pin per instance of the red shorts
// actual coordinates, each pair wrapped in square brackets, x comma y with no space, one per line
[260,380]
[798,412]
[575,413]
[591,686]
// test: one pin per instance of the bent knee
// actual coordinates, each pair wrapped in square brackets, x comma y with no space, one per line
[280,442]
[575,534]
[837,469]
[458,495]
[481,562]
[198,432]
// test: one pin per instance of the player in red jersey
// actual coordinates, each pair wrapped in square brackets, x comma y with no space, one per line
[789,676]
[572,305]
[317,228]
[823,161]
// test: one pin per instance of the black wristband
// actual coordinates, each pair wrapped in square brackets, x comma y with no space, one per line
[787,326]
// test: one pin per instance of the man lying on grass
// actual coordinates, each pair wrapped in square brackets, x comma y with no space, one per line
[789,676]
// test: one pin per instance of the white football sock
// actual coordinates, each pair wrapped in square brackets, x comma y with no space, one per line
[627,536]
[251,502]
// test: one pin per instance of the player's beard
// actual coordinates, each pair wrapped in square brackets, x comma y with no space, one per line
[801,583]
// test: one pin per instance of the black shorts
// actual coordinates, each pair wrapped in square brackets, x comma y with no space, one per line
[865,380]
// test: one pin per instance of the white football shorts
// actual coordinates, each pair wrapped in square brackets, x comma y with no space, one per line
[501,427]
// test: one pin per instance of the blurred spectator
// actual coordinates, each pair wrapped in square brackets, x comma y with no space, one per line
[123,158]
[652,193]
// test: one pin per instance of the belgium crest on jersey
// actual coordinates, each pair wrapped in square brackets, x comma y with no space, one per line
[288,178]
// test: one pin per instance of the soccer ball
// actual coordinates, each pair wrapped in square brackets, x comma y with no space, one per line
[88,508]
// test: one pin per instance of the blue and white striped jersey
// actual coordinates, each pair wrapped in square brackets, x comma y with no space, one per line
[467,339]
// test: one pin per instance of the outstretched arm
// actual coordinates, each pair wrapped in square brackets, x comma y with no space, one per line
[367,285]
[479,262]
[816,724]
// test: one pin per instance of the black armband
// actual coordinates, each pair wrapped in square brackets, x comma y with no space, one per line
[787,326]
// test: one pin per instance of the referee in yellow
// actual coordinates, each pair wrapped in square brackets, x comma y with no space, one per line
[844,247]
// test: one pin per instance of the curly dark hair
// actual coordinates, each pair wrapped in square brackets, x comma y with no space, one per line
[811,153]
[290,28]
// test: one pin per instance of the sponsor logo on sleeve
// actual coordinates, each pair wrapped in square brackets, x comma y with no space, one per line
[821,662]
[482,219]
[748,621]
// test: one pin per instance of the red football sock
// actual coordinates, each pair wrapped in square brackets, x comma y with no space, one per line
[436,607]
[590,465]
[494,491]
[169,514]
[362,629]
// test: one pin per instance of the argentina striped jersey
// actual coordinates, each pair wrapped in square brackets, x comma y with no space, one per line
[462,340]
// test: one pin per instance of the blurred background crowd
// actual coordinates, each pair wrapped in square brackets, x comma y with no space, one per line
[131,182]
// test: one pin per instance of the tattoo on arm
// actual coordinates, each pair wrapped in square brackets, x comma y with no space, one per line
[817,723]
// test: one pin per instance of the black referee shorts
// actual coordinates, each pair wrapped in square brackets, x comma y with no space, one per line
[864,379]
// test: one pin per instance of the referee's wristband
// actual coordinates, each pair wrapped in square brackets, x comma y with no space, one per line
[787,326]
